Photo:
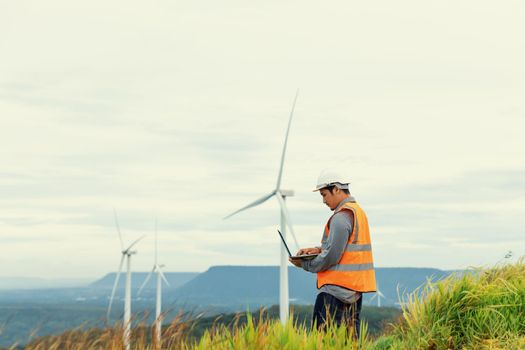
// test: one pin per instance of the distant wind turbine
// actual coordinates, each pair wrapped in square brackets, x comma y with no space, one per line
[378,295]
[506,258]
[281,195]
[126,254]
[160,276]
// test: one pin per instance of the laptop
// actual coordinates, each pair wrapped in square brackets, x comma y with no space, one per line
[303,256]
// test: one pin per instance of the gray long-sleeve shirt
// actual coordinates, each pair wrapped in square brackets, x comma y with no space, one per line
[332,250]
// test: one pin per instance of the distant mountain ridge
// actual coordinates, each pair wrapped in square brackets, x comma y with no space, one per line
[259,285]
[225,287]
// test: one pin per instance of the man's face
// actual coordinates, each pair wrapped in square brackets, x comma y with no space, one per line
[330,199]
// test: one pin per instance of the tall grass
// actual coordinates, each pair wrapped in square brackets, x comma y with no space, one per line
[272,335]
[483,309]
[175,336]
[257,333]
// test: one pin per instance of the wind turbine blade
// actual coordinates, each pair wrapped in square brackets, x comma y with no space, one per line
[380,294]
[146,281]
[286,214]
[115,286]
[162,276]
[253,204]
[118,229]
[279,177]
[135,242]
[156,243]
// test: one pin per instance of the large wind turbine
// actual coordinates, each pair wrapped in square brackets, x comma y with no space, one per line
[281,195]
[126,254]
[160,276]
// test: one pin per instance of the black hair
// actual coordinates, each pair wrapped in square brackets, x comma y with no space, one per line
[331,189]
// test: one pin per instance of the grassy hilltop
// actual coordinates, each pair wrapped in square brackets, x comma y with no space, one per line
[485,310]
[481,310]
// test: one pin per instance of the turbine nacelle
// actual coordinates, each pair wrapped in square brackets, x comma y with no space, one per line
[286,193]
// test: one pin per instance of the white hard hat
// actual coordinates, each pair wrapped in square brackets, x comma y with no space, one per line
[329,177]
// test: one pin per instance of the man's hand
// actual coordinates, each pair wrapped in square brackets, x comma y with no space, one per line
[309,251]
[304,251]
[296,262]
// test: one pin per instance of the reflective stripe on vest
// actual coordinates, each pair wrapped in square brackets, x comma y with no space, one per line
[359,248]
[351,267]
[355,269]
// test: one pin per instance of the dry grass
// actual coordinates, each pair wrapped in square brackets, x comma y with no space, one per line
[111,338]
[259,333]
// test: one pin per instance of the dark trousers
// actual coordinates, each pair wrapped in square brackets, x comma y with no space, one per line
[328,308]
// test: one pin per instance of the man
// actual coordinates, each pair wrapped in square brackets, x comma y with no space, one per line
[344,265]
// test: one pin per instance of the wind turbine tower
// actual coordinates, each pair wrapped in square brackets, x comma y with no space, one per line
[126,255]
[280,194]
[158,305]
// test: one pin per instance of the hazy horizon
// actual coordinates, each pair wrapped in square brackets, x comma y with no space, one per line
[94,278]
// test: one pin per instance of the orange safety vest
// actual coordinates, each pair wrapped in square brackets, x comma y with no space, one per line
[355,269]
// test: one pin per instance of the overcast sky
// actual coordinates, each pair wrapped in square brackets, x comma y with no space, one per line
[178,110]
